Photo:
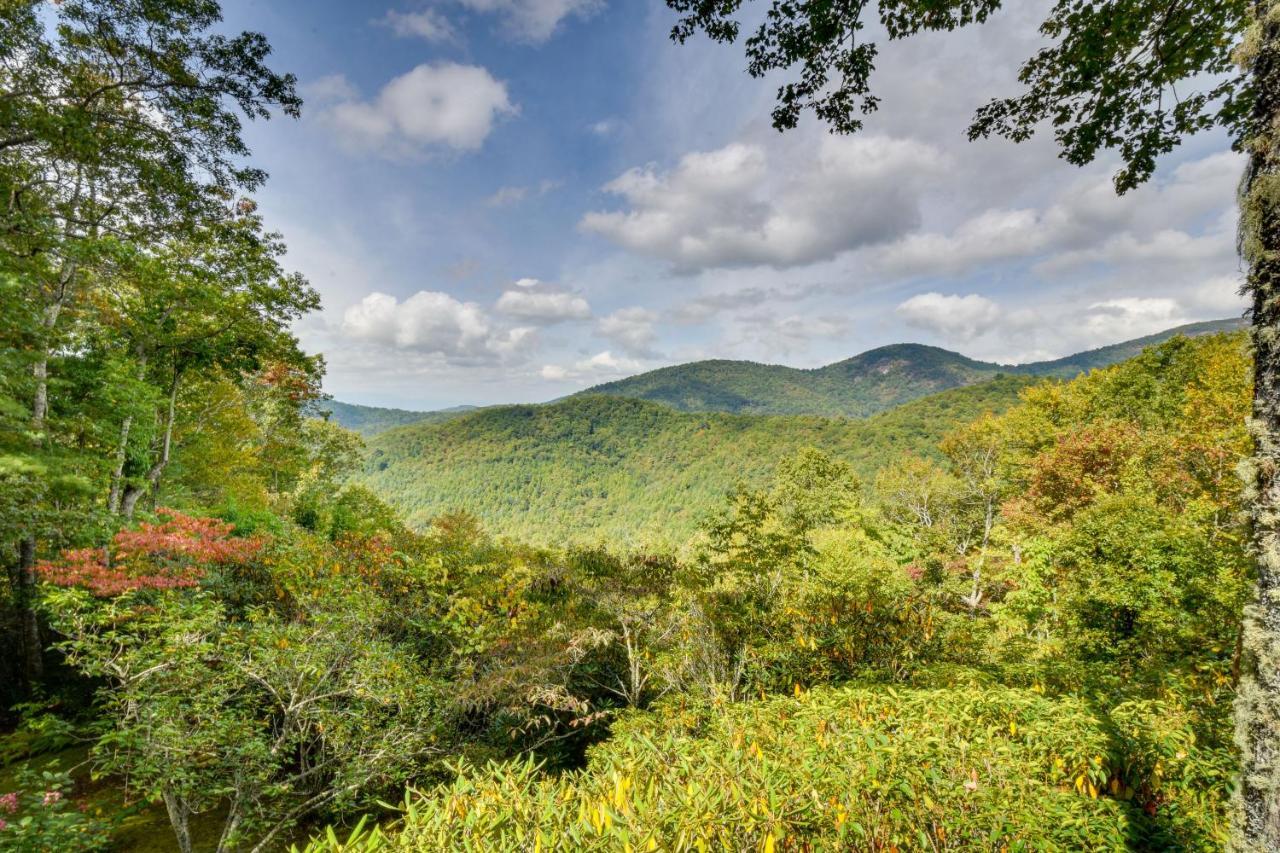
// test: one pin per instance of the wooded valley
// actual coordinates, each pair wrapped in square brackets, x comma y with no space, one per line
[907,601]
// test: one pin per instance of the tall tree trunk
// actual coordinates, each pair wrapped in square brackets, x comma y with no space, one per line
[49,318]
[117,473]
[1257,813]
[122,449]
[32,648]
[133,492]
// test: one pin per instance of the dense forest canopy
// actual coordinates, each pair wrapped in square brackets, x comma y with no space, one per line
[603,469]
[1004,616]
[589,469]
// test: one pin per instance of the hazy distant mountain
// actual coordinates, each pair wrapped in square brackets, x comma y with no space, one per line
[856,387]
[1073,365]
[371,420]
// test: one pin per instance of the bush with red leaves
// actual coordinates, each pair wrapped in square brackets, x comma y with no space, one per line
[169,555]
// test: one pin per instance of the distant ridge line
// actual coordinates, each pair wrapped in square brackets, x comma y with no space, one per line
[862,385]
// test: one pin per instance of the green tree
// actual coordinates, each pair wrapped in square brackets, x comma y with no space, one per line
[277,397]
[271,713]
[754,571]
[120,120]
[628,609]
[215,303]
[974,455]
[1134,76]
[921,501]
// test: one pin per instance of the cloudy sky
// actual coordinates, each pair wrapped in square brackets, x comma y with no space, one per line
[510,200]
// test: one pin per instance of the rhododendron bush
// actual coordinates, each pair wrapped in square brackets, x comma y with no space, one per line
[42,815]
[171,554]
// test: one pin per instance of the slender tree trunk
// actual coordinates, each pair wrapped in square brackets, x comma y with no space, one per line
[117,473]
[122,449]
[635,675]
[1257,814]
[32,648]
[40,370]
[49,319]
[180,819]
[133,492]
[231,825]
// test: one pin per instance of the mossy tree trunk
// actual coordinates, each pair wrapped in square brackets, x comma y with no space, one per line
[1257,818]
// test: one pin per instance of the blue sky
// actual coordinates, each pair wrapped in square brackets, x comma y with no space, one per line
[509,200]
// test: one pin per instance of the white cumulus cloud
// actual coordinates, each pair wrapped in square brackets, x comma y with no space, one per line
[1085,224]
[742,205]
[533,20]
[601,366]
[543,307]
[630,328]
[956,317]
[431,322]
[426,24]
[1131,317]
[443,104]
[991,236]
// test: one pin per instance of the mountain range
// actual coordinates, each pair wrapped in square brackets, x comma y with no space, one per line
[371,420]
[860,386]
[642,461]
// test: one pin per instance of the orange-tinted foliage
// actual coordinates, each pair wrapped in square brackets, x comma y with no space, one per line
[168,555]
[1093,460]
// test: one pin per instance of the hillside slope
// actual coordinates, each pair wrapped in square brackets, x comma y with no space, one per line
[856,387]
[1073,365]
[371,420]
[599,468]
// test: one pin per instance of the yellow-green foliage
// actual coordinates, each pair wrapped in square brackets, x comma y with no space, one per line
[974,768]
[630,472]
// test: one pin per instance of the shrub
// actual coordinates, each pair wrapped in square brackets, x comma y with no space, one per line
[171,554]
[42,817]
[983,768]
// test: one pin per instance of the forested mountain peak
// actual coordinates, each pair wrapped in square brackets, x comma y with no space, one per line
[892,357]
[859,386]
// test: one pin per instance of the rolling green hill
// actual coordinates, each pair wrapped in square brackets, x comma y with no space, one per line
[856,387]
[371,420]
[645,459]
[599,468]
